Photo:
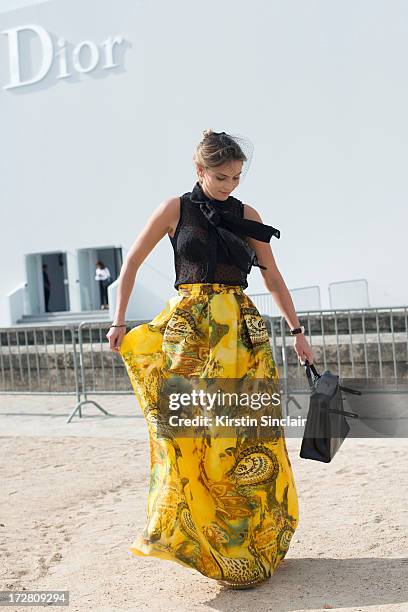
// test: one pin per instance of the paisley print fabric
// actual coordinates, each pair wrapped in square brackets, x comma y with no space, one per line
[227,507]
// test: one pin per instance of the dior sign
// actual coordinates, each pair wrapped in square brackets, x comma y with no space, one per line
[83,57]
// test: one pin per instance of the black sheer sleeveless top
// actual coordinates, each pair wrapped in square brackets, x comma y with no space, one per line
[209,243]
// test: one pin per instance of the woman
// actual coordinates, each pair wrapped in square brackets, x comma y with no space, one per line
[225,506]
[103,277]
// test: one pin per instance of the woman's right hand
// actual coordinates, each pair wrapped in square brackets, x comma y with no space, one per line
[115,336]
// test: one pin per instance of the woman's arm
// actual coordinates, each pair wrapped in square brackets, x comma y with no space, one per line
[275,284]
[159,223]
[273,279]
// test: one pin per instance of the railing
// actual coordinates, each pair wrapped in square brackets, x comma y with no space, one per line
[75,360]
[304,298]
[361,343]
[61,360]
[94,350]
[39,360]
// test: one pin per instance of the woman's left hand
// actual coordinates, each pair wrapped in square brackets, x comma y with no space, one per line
[302,348]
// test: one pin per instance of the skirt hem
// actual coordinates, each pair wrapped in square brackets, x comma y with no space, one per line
[141,549]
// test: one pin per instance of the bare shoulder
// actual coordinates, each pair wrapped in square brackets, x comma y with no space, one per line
[251,213]
[170,209]
[170,205]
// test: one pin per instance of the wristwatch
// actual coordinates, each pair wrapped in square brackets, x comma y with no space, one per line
[297,330]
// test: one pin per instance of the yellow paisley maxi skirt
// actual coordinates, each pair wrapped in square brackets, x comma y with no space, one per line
[227,507]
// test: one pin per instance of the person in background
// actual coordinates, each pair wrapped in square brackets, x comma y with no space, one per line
[103,277]
[47,287]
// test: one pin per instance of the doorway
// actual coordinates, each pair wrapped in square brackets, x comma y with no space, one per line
[47,282]
[111,257]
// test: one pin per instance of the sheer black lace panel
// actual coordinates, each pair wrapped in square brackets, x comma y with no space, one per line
[198,255]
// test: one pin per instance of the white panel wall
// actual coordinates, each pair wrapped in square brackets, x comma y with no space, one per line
[320,88]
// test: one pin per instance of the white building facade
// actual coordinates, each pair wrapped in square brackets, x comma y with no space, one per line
[102,104]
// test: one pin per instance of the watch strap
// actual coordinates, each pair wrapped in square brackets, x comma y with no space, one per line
[297,330]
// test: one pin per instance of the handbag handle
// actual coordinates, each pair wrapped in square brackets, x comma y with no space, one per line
[348,390]
[345,413]
[308,374]
[317,375]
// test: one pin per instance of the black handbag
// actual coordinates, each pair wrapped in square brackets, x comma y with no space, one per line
[326,426]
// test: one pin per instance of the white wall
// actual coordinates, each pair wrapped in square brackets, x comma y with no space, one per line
[10,5]
[320,88]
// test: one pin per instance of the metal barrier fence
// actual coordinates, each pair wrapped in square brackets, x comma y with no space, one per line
[39,360]
[54,360]
[76,360]
[304,298]
[359,343]
[91,336]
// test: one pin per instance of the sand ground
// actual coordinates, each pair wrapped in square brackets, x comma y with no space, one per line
[73,498]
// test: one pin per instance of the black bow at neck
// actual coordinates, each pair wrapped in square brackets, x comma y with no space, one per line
[231,229]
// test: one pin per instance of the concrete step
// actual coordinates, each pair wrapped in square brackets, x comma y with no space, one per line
[64,317]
